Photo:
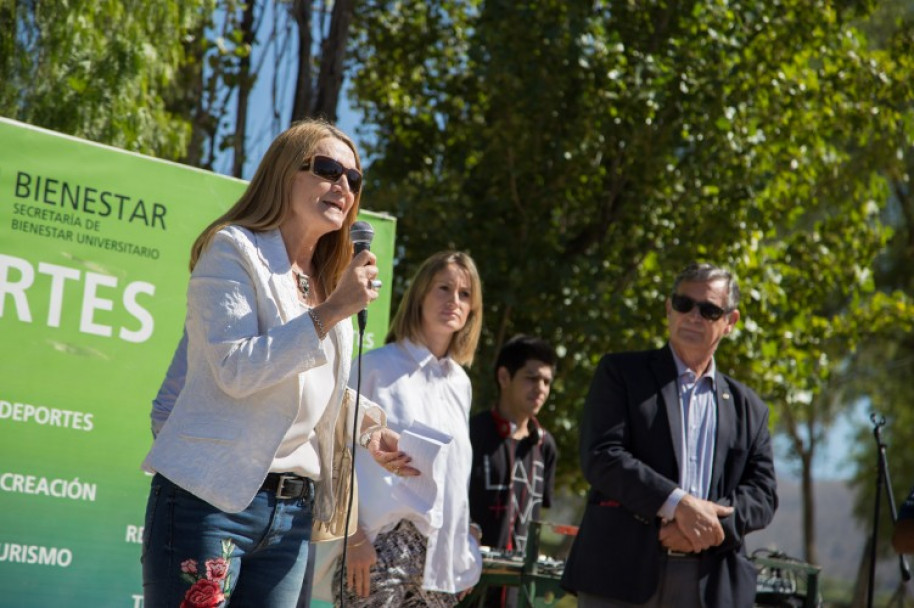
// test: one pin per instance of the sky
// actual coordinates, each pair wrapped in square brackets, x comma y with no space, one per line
[833,460]
[265,122]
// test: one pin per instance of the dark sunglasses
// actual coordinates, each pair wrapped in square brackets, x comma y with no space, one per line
[326,168]
[683,304]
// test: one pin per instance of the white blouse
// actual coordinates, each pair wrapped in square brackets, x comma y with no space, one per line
[299,451]
[411,385]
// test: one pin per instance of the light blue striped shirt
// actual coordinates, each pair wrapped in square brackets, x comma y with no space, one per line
[698,407]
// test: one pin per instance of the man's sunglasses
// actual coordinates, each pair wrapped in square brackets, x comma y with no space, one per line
[329,169]
[683,304]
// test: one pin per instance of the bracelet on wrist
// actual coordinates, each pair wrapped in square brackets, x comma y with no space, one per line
[318,324]
[365,438]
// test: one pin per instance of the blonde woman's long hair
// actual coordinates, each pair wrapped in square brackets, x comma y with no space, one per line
[267,200]
[407,322]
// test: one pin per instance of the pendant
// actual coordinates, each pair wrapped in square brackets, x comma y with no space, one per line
[304,284]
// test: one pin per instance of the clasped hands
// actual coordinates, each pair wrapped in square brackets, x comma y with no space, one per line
[695,526]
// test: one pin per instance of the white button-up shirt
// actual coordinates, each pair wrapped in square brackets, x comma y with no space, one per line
[412,385]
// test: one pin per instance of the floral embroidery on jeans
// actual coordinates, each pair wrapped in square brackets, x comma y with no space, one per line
[207,590]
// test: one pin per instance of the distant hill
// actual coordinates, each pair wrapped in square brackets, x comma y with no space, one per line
[840,539]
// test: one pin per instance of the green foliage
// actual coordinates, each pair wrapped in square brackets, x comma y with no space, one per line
[883,367]
[583,153]
[97,69]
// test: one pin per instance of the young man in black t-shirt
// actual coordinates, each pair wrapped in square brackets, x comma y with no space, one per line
[513,456]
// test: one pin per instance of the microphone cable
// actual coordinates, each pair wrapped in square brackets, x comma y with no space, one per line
[355,425]
[361,233]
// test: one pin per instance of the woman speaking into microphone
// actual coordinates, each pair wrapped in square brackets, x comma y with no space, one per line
[241,462]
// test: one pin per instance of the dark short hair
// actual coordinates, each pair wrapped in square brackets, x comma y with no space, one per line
[515,353]
[702,272]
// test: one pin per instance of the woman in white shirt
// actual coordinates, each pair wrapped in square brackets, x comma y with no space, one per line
[242,461]
[406,554]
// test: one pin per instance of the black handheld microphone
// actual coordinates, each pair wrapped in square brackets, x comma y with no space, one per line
[361,234]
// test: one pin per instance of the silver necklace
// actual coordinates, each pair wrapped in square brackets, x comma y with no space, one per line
[303,282]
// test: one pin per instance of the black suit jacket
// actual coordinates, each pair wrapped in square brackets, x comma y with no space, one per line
[630,450]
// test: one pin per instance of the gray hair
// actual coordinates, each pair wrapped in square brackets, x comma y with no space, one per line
[705,273]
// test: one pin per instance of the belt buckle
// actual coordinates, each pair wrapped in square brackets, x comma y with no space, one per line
[281,484]
[672,553]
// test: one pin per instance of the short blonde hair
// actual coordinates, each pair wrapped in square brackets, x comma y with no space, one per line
[407,322]
[267,201]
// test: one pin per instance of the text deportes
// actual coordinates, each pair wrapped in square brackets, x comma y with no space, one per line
[45,416]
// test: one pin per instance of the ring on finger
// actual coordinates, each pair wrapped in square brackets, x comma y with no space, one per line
[375,283]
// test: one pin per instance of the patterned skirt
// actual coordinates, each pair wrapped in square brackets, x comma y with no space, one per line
[396,579]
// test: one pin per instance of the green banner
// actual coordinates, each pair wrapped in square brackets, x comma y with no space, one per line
[94,246]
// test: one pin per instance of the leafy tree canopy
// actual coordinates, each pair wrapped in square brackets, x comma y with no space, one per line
[98,69]
[583,153]
[882,368]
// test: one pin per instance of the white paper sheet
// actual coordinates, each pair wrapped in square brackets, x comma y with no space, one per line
[428,448]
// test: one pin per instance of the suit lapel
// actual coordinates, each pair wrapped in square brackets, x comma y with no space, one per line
[726,425]
[273,254]
[665,370]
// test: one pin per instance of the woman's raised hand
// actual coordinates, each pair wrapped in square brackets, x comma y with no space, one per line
[358,287]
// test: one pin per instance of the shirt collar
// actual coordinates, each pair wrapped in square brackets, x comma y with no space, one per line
[424,357]
[683,370]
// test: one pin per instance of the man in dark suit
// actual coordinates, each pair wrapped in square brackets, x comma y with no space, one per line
[678,457]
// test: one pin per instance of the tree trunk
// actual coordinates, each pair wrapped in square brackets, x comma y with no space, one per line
[301,102]
[244,90]
[809,509]
[333,51]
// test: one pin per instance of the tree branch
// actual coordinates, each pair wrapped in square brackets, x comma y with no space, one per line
[333,50]
[301,99]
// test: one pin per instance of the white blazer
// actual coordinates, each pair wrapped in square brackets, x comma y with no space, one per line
[248,344]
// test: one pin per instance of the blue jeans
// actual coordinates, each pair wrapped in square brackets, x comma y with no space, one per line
[194,551]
